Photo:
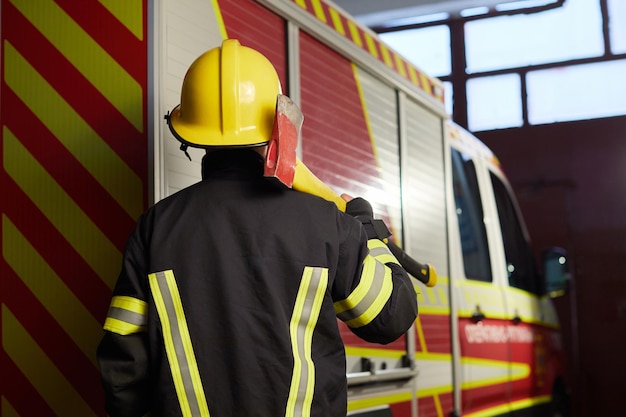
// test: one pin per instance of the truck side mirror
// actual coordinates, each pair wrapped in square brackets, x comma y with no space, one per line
[555,271]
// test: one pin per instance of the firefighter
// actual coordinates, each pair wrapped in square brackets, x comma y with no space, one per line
[230,289]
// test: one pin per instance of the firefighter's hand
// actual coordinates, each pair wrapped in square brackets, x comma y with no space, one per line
[347,197]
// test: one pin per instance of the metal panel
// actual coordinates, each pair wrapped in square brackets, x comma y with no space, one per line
[187,29]
[380,105]
[423,187]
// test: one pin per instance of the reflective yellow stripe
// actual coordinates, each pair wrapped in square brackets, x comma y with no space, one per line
[130,303]
[303,321]
[381,252]
[369,297]
[126,315]
[178,346]
[362,289]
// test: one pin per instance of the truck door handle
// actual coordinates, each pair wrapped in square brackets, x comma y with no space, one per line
[369,375]
[478,315]
[383,375]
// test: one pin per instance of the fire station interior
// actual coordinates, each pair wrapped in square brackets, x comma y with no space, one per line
[541,83]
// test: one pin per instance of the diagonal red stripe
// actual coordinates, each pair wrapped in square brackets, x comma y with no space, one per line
[111,34]
[325,13]
[404,63]
[20,393]
[52,339]
[84,98]
[57,252]
[346,27]
[68,172]
[366,46]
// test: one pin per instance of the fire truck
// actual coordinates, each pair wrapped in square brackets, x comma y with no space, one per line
[85,149]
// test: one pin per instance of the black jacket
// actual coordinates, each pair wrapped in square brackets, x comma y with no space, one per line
[228,298]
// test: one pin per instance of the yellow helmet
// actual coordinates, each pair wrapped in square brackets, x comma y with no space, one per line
[228,98]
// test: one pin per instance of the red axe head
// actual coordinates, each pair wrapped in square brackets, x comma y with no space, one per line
[280,161]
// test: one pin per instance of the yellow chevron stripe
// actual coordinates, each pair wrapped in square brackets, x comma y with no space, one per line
[400,64]
[319,11]
[49,382]
[93,245]
[426,83]
[337,23]
[67,125]
[355,34]
[371,45]
[50,290]
[7,409]
[413,75]
[129,12]
[87,56]
[386,55]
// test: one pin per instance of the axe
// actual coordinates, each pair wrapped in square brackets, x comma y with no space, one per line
[283,167]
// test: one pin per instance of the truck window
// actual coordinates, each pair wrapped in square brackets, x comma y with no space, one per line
[520,262]
[469,210]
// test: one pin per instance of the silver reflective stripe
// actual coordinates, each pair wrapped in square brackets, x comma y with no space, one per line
[178,345]
[127,315]
[380,251]
[369,297]
[373,291]
[303,321]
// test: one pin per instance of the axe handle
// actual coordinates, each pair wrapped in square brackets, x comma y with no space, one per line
[424,273]
[305,181]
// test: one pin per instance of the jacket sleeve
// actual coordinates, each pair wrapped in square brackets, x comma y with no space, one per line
[373,294]
[123,351]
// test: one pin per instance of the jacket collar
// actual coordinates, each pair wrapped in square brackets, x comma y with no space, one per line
[232,163]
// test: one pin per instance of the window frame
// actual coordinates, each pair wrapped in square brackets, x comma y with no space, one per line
[531,282]
[483,243]
[459,77]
